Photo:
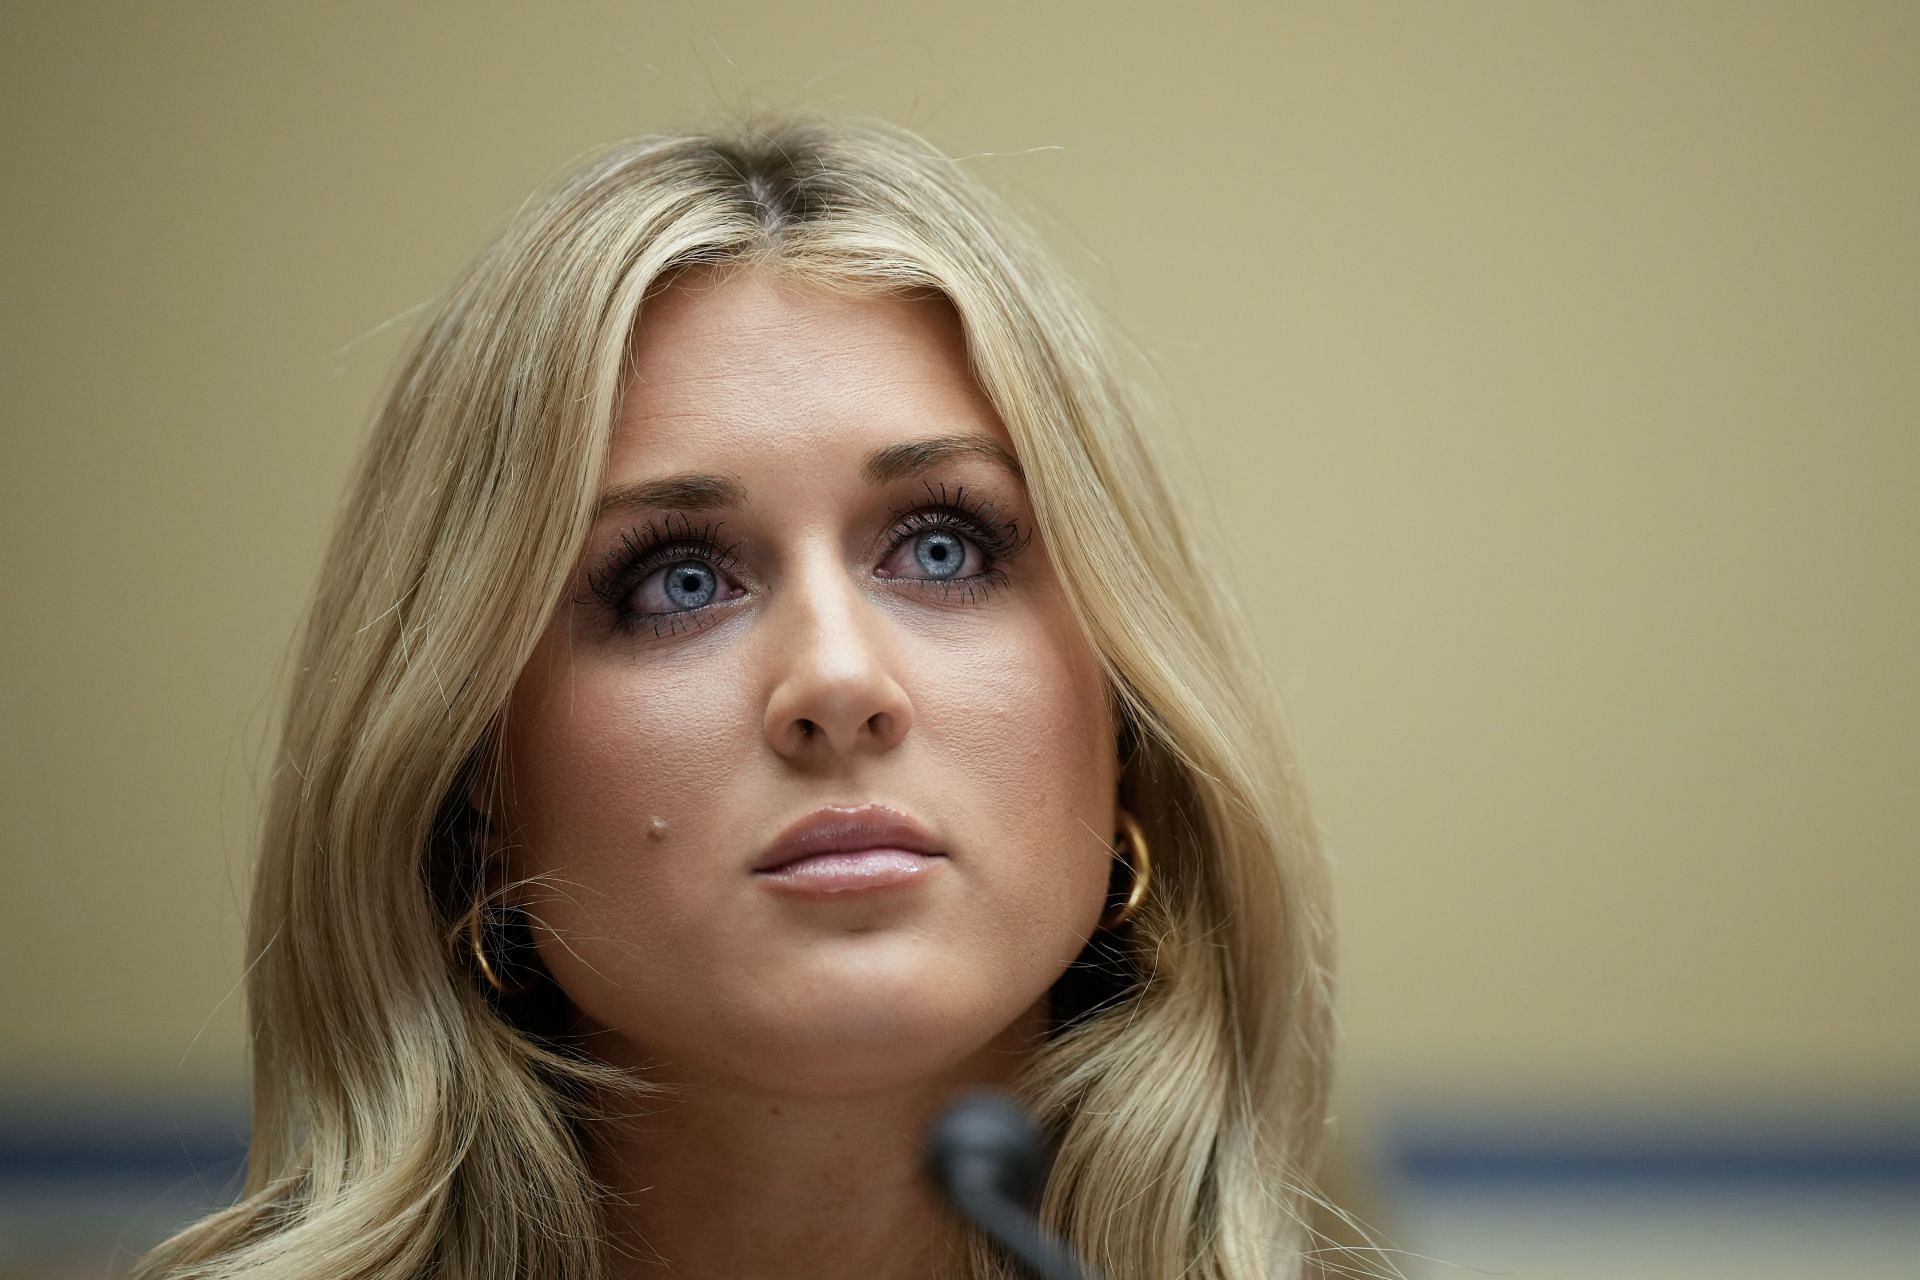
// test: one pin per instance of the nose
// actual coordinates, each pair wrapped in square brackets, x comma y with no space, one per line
[835,691]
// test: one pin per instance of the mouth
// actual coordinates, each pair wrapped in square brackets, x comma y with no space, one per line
[851,870]
[844,848]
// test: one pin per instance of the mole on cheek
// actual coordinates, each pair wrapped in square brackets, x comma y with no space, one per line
[656,828]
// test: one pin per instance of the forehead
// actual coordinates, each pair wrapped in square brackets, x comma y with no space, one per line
[727,366]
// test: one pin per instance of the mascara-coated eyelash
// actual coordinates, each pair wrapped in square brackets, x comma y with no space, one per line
[973,518]
[976,517]
[641,552]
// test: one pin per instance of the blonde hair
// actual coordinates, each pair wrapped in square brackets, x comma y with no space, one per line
[403,1127]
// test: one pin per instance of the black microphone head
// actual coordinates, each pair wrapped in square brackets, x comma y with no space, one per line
[984,1142]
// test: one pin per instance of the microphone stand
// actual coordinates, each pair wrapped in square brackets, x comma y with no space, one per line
[985,1156]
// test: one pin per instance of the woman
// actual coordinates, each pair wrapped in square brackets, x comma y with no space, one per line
[754,502]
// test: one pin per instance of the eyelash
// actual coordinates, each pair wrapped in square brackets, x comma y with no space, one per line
[643,551]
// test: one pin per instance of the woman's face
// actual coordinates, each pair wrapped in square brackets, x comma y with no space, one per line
[813,583]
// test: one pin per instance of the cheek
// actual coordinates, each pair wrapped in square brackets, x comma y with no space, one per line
[1026,736]
[614,773]
[627,798]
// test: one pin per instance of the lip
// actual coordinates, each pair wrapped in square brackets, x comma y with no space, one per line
[846,830]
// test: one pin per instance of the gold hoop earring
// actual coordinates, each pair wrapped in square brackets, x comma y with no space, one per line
[475,929]
[1140,863]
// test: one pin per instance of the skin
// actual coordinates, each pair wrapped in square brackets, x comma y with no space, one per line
[807,1041]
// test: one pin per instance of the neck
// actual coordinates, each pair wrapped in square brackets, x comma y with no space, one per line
[727,1182]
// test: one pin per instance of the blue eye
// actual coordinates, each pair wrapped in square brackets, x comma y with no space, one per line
[942,530]
[691,584]
[693,568]
[691,564]
[939,553]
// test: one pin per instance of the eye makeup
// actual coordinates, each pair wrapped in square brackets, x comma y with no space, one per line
[642,551]
[701,564]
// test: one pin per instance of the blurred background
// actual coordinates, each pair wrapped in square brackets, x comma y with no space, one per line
[1551,373]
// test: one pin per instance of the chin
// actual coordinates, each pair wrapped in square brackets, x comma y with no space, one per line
[880,1031]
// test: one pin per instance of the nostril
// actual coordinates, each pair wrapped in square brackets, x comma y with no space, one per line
[806,728]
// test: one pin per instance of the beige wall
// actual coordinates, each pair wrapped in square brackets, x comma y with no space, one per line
[1553,371]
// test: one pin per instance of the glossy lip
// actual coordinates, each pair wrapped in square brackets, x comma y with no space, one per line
[846,829]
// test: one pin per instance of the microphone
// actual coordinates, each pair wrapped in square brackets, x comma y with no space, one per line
[985,1156]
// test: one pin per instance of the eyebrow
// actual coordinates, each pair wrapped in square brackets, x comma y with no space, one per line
[709,491]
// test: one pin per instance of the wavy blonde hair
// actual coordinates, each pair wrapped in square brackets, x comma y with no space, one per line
[404,1125]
